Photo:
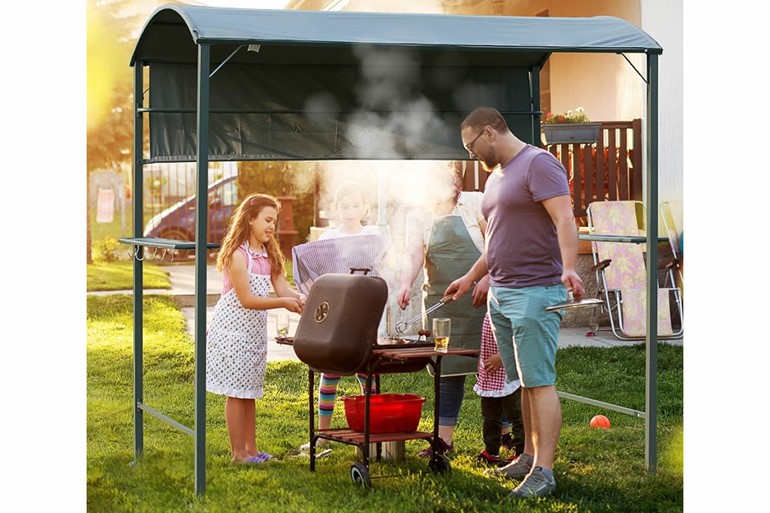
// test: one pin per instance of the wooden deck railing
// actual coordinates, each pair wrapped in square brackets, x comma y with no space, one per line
[615,176]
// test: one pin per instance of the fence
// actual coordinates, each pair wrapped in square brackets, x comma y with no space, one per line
[615,176]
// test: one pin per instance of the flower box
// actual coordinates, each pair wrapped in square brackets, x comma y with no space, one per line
[560,133]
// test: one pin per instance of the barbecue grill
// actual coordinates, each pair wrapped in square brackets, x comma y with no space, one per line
[337,333]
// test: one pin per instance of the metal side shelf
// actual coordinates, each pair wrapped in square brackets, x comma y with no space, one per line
[157,242]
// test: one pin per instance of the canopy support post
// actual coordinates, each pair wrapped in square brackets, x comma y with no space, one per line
[138,171]
[651,378]
[534,100]
[201,239]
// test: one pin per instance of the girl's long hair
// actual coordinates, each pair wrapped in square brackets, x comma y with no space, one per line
[239,230]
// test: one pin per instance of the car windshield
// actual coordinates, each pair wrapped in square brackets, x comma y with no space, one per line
[226,195]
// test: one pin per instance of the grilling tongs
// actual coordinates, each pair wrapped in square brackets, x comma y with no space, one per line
[401,327]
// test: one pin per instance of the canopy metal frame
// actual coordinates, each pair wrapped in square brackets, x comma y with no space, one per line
[212,39]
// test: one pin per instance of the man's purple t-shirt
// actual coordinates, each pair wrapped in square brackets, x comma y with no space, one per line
[521,243]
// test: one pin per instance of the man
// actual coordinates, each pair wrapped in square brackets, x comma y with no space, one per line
[531,255]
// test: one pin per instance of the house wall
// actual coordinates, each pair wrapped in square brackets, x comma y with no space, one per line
[663,20]
[576,77]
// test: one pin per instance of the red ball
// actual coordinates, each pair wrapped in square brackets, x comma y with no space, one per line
[600,421]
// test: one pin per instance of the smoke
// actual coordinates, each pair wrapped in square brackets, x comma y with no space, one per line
[393,120]
[394,188]
[320,106]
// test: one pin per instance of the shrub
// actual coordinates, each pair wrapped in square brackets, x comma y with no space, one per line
[106,249]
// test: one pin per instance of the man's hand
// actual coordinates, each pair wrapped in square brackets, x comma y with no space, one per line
[574,284]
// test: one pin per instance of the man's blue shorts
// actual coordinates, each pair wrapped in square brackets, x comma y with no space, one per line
[527,335]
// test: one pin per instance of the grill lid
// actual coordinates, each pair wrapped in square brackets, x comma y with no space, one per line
[338,326]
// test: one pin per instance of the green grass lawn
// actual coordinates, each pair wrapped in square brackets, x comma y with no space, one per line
[120,276]
[597,470]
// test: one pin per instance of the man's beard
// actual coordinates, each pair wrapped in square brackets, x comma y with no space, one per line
[486,166]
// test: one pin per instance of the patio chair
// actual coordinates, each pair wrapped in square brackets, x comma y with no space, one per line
[621,273]
[667,210]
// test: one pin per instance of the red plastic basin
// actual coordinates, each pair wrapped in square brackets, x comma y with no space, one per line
[388,413]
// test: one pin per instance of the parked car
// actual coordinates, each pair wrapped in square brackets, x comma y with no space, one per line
[178,221]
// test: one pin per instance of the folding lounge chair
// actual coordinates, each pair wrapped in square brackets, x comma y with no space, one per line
[667,210]
[621,275]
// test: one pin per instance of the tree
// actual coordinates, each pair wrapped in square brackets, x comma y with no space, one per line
[279,178]
[110,86]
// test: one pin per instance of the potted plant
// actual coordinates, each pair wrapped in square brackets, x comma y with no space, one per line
[570,127]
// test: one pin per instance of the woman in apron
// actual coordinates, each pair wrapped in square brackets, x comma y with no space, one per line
[447,241]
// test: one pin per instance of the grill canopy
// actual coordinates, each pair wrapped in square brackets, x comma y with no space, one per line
[307,85]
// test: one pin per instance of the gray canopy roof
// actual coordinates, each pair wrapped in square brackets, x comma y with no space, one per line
[316,37]
[330,85]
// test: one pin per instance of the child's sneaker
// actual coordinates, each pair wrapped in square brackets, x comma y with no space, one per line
[488,459]
[320,449]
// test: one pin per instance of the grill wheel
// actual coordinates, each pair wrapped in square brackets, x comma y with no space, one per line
[439,464]
[360,475]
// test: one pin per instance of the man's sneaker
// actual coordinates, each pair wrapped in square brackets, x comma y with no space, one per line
[488,459]
[442,448]
[516,469]
[536,484]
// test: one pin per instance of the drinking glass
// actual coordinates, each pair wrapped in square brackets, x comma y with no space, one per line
[282,324]
[442,329]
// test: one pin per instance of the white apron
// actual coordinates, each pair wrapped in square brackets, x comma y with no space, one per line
[236,342]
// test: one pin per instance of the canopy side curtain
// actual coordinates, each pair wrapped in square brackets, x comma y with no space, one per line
[387,111]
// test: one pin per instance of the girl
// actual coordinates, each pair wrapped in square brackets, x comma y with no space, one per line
[250,260]
[500,402]
[352,208]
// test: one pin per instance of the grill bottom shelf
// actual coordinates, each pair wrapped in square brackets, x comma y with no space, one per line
[357,437]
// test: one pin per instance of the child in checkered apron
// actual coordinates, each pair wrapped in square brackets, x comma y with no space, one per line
[500,403]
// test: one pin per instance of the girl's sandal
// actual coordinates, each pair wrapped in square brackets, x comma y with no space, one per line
[261,457]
